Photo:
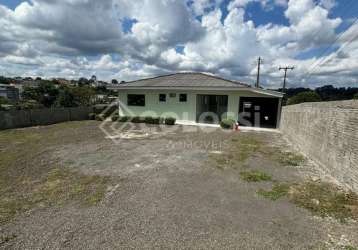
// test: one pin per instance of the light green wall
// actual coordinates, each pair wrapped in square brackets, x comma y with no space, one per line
[185,111]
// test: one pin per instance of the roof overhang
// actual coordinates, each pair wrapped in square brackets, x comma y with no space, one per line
[253,90]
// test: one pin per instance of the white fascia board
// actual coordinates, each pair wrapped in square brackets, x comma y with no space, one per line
[255,90]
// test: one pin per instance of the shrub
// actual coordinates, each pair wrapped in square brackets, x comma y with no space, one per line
[227,123]
[98,109]
[355,96]
[148,120]
[100,117]
[124,118]
[115,117]
[156,120]
[170,121]
[91,116]
[138,119]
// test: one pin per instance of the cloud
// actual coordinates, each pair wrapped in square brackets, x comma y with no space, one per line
[74,38]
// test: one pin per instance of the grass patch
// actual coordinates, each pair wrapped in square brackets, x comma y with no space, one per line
[59,186]
[350,248]
[62,185]
[323,199]
[28,177]
[290,159]
[284,158]
[255,176]
[240,148]
[6,238]
[278,191]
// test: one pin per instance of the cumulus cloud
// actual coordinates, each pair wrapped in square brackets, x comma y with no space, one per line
[76,38]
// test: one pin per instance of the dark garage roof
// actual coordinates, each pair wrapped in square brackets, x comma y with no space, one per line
[190,80]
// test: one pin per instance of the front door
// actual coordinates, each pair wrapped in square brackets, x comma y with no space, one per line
[210,108]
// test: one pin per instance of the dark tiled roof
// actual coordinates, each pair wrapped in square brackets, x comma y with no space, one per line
[199,80]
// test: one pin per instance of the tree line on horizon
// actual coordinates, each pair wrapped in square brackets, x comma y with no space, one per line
[321,94]
[48,94]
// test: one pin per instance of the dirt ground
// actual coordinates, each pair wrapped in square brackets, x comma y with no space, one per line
[71,186]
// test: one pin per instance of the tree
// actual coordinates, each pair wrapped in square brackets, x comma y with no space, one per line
[29,104]
[4,80]
[308,96]
[93,79]
[83,96]
[4,100]
[114,81]
[45,94]
[65,98]
[83,81]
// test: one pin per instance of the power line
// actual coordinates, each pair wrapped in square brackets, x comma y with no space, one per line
[321,61]
[285,77]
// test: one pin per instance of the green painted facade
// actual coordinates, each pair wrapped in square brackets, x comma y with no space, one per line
[182,111]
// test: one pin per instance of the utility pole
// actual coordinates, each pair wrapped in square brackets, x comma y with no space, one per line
[258,73]
[284,79]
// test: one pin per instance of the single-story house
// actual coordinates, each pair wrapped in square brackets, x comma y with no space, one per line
[199,98]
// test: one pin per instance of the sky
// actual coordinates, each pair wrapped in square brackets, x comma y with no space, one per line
[128,40]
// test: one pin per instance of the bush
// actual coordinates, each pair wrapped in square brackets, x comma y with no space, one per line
[91,116]
[156,120]
[227,123]
[115,117]
[100,117]
[138,119]
[124,118]
[148,120]
[355,96]
[105,109]
[169,121]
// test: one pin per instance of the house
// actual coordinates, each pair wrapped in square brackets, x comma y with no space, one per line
[199,98]
[10,92]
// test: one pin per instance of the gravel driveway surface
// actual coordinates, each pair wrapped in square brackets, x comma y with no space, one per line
[171,189]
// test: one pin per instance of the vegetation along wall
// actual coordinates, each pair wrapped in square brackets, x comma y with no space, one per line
[327,132]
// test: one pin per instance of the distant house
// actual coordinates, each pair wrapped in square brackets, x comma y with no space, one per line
[199,98]
[9,92]
[62,81]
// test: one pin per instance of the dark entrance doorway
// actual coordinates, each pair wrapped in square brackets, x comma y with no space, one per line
[210,108]
[258,112]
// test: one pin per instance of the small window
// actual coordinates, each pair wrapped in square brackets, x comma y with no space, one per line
[162,97]
[136,100]
[182,98]
[172,95]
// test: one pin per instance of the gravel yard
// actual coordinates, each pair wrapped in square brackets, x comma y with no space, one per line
[70,186]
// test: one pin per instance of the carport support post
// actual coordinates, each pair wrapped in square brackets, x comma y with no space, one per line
[279,111]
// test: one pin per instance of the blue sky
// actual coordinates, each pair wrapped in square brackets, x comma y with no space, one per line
[11,3]
[134,39]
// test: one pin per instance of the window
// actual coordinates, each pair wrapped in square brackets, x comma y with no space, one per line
[172,95]
[162,97]
[136,100]
[182,98]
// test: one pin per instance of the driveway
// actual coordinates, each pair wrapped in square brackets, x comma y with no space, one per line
[173,187]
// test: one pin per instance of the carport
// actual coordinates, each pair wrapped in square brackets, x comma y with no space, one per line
[259,112]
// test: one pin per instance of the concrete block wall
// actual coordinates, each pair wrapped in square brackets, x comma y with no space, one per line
[35,117]
[327,132]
